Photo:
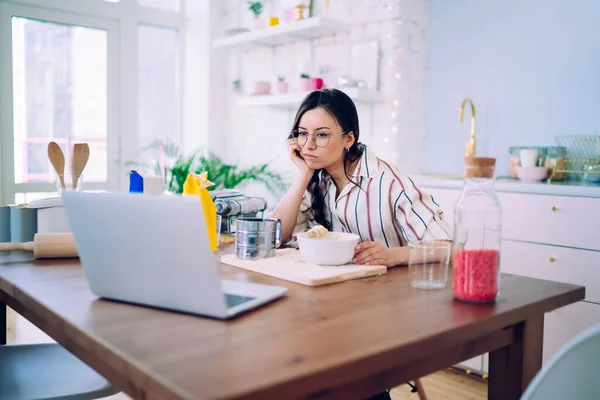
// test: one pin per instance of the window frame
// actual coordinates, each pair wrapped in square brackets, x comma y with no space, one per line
[121,21]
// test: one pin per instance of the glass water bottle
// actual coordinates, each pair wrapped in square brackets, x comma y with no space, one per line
[477,234]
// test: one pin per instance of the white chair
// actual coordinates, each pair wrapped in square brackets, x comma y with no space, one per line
[48,371]
[573,373]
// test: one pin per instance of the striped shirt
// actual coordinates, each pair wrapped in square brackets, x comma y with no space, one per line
[385,207]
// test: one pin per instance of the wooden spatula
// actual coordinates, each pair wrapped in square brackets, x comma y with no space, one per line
[81,155]
[57,158]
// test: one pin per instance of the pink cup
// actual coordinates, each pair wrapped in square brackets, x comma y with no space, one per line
[316,83]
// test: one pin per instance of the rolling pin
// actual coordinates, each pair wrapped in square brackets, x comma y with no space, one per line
[46,245]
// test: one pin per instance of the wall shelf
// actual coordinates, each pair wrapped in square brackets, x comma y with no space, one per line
[291,101]
[307,29]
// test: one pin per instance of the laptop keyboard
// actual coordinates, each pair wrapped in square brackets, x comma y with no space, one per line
[234,300]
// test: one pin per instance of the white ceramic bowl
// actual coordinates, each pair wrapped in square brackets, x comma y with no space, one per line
[531,174]
[334,248]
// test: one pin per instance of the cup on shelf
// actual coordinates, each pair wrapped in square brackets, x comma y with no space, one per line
[529,157]
[68,182]
[316,83]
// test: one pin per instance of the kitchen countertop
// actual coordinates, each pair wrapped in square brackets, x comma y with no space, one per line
[505,184]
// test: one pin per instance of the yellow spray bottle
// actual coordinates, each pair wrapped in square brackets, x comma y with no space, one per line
[196,184]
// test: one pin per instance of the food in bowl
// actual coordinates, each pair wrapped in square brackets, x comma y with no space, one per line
[332,248]
[317,231]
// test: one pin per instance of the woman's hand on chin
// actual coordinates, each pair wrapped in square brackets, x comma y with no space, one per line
[294,151]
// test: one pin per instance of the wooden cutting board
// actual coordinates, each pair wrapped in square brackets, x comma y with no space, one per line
[289,265]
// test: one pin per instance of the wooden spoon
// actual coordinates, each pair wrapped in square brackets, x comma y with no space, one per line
[57,158]
[81,155]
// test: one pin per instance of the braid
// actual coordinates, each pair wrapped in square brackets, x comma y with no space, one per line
[316,188]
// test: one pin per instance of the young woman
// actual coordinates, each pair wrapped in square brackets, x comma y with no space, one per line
[343,186]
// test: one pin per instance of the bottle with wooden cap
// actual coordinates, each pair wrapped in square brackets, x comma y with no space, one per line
[477,234]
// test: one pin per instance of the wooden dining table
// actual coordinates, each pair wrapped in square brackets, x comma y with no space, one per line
[347,340]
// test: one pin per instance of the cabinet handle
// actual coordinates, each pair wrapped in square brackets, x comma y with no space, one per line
[552,259]
[554,208]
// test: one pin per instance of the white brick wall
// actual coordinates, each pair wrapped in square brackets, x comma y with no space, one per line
[395,129]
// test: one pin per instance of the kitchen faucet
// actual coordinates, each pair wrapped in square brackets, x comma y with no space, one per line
[471,143]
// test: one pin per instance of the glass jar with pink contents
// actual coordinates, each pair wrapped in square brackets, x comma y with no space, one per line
[477,234]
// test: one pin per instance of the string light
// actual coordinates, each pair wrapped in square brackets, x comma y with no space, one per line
[394,63]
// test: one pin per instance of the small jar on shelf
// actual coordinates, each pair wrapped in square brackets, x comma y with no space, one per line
[556,162]
[514,161]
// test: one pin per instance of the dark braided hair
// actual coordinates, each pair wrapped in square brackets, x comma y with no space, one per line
[343,110]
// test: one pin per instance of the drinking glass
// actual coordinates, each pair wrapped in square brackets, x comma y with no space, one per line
[428,264]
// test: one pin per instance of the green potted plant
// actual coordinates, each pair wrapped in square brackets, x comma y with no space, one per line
[304,82]
[175,168]
[281,86]
[257,7]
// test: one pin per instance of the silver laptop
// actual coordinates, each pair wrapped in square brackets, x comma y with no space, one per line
[154,250]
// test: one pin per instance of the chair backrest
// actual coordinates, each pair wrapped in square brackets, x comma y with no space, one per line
[572,373]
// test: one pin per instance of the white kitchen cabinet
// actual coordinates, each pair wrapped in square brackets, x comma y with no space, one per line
[474,364]
[562,325]
[558,220]
[547,237]
[485,363]
[554,263]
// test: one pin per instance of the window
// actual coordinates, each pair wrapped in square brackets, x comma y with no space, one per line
[101,71]
[60,87]
[157,83]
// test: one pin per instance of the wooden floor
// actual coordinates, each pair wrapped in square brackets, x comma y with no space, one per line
[449,384]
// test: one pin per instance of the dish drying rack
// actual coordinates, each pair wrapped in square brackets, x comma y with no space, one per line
[583,151]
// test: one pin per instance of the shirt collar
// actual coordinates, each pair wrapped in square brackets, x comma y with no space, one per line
[368,165]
